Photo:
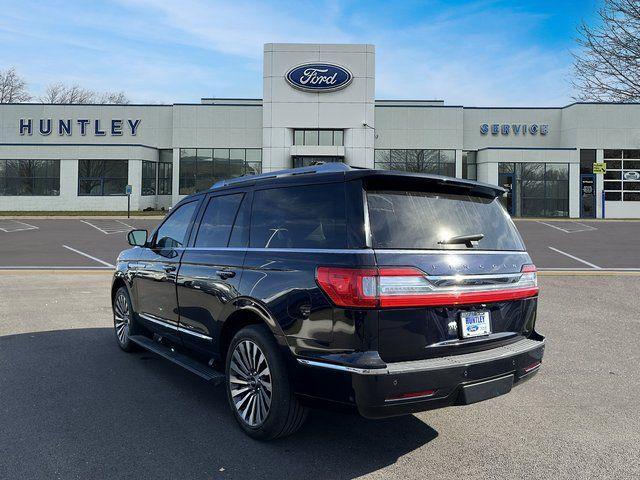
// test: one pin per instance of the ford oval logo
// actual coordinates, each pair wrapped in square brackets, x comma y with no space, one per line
[632,175]
[319,77]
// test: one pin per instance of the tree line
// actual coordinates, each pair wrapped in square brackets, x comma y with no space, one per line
[13,89]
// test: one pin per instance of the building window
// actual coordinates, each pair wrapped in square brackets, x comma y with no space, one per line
[469,165]
[165,178]
[200,168]
[439,162]
[30,177]
[587,159]
[149,173]
[308,161]
[622,180]
[102,177]
[541,189]
[165,172]
[323,138]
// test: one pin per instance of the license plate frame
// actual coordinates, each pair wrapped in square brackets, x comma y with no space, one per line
[472,328]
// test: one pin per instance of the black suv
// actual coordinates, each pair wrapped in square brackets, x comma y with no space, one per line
[380,291]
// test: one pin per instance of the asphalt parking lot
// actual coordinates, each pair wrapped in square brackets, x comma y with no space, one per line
[73,406]
[82,243]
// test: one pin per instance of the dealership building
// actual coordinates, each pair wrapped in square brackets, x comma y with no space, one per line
[318,105]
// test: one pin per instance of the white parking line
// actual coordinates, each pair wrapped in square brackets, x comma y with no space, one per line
[89,256]
[576,258]
[10,226]
[109,227]
[587,228]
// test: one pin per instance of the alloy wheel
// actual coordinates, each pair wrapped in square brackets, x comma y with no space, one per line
[122,318]
[250,383]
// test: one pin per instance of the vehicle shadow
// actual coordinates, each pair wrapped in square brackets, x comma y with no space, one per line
[72,405]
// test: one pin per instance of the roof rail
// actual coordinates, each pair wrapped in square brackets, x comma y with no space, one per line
[328,167]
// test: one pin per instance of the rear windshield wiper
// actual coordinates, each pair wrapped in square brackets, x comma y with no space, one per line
[466,239]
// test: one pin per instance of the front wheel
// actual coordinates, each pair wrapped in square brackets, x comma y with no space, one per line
[258,387]
[123,319]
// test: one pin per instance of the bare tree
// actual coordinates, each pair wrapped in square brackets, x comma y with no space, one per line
[119,98]
[607,67]
[61,93]
[75,94]
[13,89]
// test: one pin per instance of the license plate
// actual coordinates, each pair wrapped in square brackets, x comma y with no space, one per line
[475,324]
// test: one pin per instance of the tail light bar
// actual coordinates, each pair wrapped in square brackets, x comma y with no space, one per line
[388,287]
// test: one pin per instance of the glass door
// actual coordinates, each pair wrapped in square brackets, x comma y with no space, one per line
[507,181]
[587,195]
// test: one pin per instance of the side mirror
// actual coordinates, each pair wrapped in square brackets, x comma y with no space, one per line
[137,238]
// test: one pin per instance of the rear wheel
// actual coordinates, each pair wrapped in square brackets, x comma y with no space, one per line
[123,319]
[258,387]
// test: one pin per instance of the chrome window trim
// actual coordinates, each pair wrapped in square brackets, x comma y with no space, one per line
[356,250]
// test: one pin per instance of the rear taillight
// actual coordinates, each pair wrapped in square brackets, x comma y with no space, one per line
[388,287]
[349,287]
[529,275]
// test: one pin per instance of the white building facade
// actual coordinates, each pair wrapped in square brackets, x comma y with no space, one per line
[318,105]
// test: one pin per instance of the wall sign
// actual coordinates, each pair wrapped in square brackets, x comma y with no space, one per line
[514,129]
[68,127]
[600,167]
[319,77]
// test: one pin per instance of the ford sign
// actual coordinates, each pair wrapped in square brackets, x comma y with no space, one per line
[319,77]
[630,175]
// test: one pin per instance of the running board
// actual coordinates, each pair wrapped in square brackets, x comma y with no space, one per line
[203,371]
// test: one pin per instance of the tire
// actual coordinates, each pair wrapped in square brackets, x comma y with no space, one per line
[254,364]
[123,320]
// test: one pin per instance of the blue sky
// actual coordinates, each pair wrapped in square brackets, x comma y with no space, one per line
[472,53]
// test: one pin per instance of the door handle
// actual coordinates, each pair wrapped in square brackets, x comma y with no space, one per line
[224,274]
[169,268]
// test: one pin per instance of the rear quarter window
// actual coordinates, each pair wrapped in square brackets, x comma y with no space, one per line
[422,220]
[310,216]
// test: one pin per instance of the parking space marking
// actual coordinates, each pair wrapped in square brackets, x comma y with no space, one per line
[596,267]
[10,226]
[109,227]
[586,228]
[89,256]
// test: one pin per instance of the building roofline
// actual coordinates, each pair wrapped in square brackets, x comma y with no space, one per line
[233,98]
[218,104]
[92,104]
[259,101]
[409,100]
[527,148]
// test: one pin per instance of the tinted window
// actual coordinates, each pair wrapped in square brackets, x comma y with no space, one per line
[400,219]
[149,178]
[102,177]
[217,221]
[29,177]
[299,217]
[200,168]
[240,233]
[173,232]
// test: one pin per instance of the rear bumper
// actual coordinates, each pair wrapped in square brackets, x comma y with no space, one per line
[409,387]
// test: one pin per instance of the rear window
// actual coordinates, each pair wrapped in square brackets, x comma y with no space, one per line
[427,220]
[310,216]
